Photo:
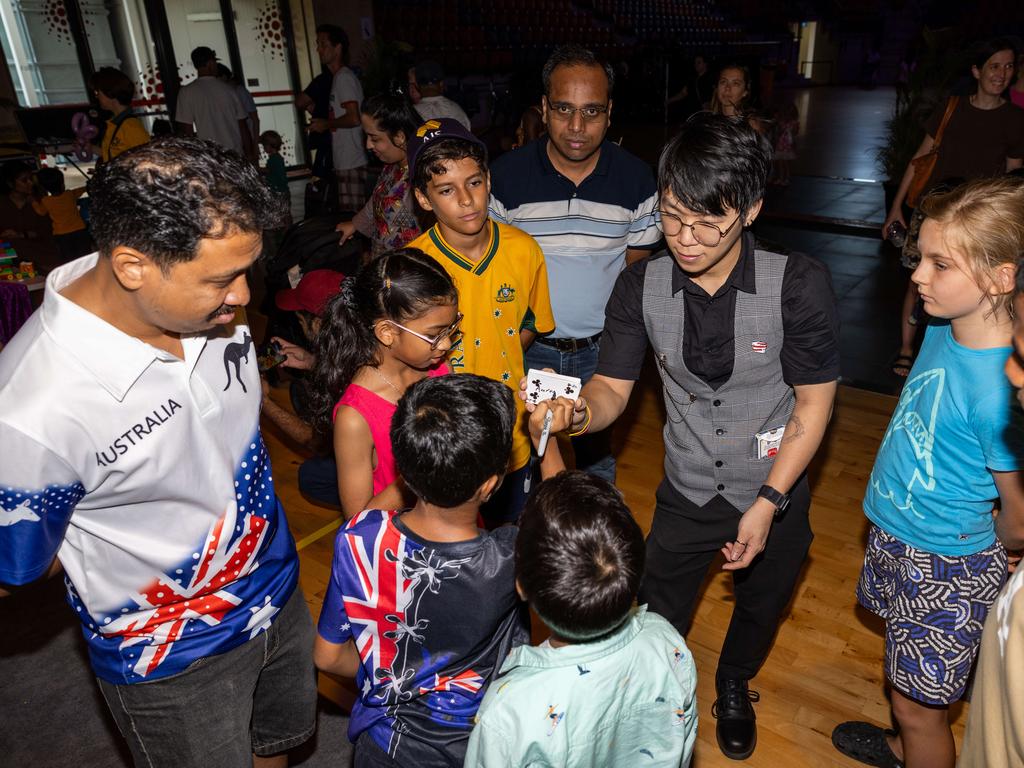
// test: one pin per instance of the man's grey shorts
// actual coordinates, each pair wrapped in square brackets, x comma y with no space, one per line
[258,698]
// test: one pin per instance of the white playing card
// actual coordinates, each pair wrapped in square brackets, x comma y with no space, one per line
[545,385]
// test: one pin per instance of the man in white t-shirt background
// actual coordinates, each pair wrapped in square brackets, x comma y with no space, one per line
[210,109]
[343,121]
[426,89]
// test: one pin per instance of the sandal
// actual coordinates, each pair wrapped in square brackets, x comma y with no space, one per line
[866,743]
[901,365]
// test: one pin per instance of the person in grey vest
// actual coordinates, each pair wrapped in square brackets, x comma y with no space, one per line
[746,344]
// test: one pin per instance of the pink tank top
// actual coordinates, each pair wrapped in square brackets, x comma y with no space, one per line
[1017,97]
[378,413]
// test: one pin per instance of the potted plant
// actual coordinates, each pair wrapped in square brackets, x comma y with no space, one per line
[927,86]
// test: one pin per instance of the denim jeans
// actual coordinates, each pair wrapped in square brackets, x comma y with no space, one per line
[257,698]
[593,450]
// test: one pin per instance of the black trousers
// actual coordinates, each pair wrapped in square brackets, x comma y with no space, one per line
[672,578]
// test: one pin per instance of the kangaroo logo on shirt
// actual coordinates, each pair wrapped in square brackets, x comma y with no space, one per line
[506,293]
[235,353]
[15,515]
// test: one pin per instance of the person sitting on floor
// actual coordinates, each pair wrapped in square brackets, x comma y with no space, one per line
[318,478]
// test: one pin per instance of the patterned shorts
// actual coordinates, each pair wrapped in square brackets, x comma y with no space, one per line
[934,608]
[351,188]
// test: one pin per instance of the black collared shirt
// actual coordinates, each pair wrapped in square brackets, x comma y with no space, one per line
[810,355]
[810,351]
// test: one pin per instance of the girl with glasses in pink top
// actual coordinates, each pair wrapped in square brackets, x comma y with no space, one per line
[391,325]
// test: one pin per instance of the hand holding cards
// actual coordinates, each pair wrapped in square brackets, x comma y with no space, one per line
[547,385]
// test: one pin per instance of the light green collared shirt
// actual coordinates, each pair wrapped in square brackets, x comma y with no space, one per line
[629,699]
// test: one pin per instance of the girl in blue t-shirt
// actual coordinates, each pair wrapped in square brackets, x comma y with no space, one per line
[935,558]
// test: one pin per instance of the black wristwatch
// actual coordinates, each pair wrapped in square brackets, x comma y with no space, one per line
[780,500]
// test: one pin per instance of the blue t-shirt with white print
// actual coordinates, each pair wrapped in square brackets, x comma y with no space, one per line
[957,422]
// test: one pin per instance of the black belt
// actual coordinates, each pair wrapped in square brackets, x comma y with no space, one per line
[569,345]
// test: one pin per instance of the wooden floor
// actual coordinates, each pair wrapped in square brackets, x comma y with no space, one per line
[826,666]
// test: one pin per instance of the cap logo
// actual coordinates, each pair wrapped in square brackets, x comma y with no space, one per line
[430,125]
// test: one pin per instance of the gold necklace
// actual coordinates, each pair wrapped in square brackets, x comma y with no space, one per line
[388,381]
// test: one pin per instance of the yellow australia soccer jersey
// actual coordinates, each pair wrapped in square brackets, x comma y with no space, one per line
[503,292]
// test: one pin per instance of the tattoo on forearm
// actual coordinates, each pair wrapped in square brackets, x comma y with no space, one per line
[794,429]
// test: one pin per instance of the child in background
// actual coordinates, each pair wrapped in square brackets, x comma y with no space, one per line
[276,172]
[498,270]
[389,217]
[391,325]
[935,558]
[421,607]
[61,205]
[613,685]
[787,128]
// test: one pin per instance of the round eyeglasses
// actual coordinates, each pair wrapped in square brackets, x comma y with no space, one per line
[451,332]
[704,233]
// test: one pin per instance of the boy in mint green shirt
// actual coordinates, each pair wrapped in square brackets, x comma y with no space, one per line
[613,685]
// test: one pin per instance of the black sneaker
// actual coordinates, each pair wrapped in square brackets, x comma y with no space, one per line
[736,730]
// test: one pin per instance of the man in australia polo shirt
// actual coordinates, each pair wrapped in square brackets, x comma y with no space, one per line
[589,204]
[129,420]
[746,344]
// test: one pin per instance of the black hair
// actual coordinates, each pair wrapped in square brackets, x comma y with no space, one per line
[397,285]
[202,56]
[52,180]
[575,56]
[986,49]
[431,159]
[114,84]
[271,139]
[394,114]
[450,434]
[224,72]
[715,162]
[12,170]
[579,555]
[164,197]
[336,35]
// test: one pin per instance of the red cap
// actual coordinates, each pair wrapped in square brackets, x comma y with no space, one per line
[312,293]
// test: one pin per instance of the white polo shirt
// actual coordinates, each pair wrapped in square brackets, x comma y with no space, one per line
[147,476]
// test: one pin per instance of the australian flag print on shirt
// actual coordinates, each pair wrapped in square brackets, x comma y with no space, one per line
[214,599]
[432,623]
[145,474]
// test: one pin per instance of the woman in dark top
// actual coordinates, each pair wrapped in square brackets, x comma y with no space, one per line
[984,137]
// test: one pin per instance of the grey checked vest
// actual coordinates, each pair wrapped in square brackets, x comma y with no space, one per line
[709,435]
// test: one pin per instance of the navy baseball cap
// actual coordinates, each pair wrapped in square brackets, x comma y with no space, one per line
[433,131]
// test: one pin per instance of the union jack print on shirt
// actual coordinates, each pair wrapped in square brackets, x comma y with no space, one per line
[432,622]
[216,599]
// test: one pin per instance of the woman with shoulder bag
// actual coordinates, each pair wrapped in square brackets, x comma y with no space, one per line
[966,138]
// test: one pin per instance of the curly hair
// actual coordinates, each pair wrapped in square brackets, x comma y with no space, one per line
[164,197]
[398,285]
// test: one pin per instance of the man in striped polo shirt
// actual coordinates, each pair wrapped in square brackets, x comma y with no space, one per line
[590,205]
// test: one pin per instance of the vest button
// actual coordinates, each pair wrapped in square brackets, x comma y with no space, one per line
[721,487]
[719,431]
[719,463]
[717,403]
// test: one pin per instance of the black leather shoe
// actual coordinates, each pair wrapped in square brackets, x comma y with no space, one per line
[736,729]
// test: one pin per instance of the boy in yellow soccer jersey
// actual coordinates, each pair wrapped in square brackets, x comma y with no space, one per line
[500,274]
